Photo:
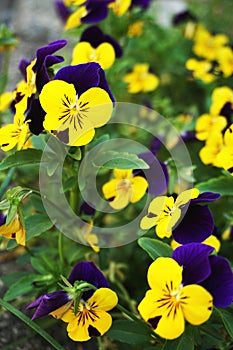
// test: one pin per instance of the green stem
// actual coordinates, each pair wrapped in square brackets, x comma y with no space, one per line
[126,296]
[6,182]
[31,324]
[60,250]
[100,343]
[128,313]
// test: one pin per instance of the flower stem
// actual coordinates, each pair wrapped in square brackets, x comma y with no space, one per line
[100,343]
[60,249]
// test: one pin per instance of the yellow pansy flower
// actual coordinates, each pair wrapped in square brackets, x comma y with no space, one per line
[14,230]
[124,188]
[72,118]
[165,212]
[220,97]
[168,303]
[213,146]
[140,79]
[200,70]
[207,123]
[225,60]
[104,54]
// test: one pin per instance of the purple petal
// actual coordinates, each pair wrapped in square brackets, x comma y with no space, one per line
[156,175]
[82,76]
[2,219]
[104,84]
[206,197]
[87,271]
[155,145]
[23,65]
[49,49]
[142,3]
[36,115]
[87,209]
[194,258]
[188,135]
[95,14]
[220,282]
[48,303]
[196,225]
[42,76]
[62,10]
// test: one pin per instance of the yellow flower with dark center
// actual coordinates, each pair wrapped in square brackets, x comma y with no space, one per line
[220,97]
[135,29]
[165,212]
[200,70]
[91,318]
[120,7]
[73,118]
[207,123]
[140,79]
[207,45]
[124,188]
[14,134]
[14,230]
[104,54]
[168,303]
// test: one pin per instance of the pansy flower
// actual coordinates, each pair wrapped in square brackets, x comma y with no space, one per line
[220,97]
[207,123]
[207,45]
[124,188]
[140,79]
[210,271]
[169,303]
[165,214]
[76,101]
[95,46]
[88,12]
[83,305]
[14,230]
[15,134]
[201,70]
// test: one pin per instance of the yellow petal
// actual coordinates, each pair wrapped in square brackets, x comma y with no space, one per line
[120,7]
[171,325]
[163,229]
[82,53]
[74,20]
[8,137]
[213,242]
[148,222]
[124,192]
[150,83]
[162,271]
[105,55]
[122,173]
[139,185]
[157,205]
[103,299]
[109,189]
[102,323]
[97,106]
[78,331]
[196,303]
[5,100]
[62,312]
[185,196]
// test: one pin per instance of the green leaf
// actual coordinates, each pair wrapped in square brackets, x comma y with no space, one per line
[155,248]
[31,324]
[222,185]
[120,160]
[20,158]
[129,332]
[227,319]
[11,213]
[36,224]
[69,183]
[22,286]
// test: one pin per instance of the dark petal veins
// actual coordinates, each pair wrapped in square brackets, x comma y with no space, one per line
[194,258]
[205,197]
[36,115]
[48,303]
[93,332]
[220,281]
[87,271]
[196,225]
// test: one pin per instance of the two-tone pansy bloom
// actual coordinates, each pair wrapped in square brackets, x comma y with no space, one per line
[140,79]
[14,230]
[124,188]
[95,46]
[76,101]
[178,217]
[83,303]
[185,288]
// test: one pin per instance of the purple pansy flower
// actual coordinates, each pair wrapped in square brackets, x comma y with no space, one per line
[83,271]
[95,36]
[44,60]
[197,223]
[212,272]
